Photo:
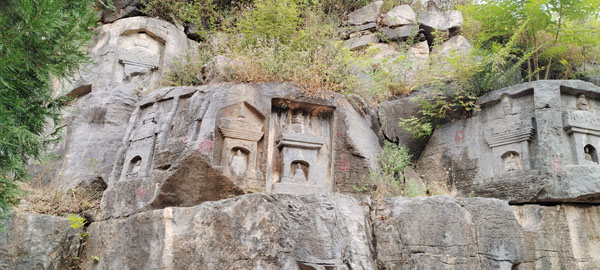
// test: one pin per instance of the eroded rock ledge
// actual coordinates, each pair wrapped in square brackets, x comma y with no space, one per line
[274,231]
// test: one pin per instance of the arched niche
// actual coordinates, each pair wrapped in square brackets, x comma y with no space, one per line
[135,165]
[239,137]
[238,162]
[511,161]
[299,169]
[590,153]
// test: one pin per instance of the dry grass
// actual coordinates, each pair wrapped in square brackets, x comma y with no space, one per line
[55,201]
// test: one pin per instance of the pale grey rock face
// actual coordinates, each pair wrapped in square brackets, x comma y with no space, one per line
[188,145]
[446,233]
[400,15]
[533,142]
[257,231]
[442,21]
[129,57]
[560,237]
[355,43]
[447,23]
[366,14]
[392,112]
[35,241]
[400,33]
[456,45]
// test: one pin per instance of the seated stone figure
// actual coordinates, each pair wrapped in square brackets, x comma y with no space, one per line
[238,164]
[298,174]
[512,163]
[582,104]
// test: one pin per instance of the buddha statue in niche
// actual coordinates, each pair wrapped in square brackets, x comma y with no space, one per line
[298,174]
[238,164]
[582,103]
[512,162]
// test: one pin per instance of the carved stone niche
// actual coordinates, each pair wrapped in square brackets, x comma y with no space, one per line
[509,140]
[140,151]
[300,148]
[583,127]
[140,53]
[241,130]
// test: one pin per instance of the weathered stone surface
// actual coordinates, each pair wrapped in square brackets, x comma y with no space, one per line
[129,56]
[446,233]
[400,15]
[34,241]
[442,21]
[400,33]
[449,23]
[533,142]
[456,45]
[361,41]
[366,14]
[392,112]
[257,231]
[188,145]
[122,9]
[560,237]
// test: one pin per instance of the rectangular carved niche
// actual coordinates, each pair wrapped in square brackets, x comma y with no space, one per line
[239,144]
[300,151]
[582,124]
[510,129]
[140,151]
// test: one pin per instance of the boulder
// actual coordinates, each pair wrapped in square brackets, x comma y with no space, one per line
[446,233]
[400,15]
[366,14]
[448,23]
[442,21]
[35,241]
[530,143]
[122,9]
[456,45]
[400,33]
[256,231]
[359,42]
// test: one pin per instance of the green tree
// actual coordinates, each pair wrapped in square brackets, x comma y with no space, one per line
[549,33]
[39,40]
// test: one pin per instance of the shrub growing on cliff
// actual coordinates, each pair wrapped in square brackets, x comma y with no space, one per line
[390,180]
[38,39]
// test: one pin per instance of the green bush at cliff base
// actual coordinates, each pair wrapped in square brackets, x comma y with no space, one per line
[39,39]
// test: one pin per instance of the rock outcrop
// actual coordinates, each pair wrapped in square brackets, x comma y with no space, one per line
[257,231]
[34,241]
[533,142]
[188,145]
[129,57]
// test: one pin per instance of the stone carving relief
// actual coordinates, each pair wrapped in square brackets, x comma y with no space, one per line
[241,130]
[510,136]
[140,53]
[511,161]
[300,152]
[582,125]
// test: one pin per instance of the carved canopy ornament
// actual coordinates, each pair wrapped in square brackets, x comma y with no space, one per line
[240,128]
[510,137]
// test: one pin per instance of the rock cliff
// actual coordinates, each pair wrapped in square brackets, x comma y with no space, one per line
[262,176]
